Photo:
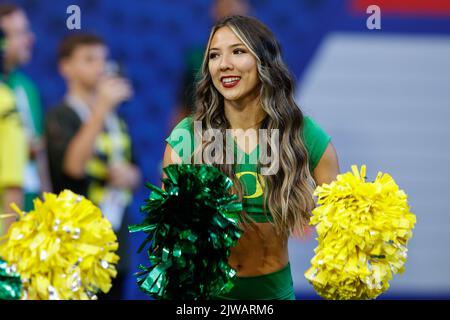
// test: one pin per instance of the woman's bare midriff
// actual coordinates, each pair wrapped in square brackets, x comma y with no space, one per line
[259,251]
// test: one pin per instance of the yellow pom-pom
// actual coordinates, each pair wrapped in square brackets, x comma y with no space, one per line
[63,249]
[363,229]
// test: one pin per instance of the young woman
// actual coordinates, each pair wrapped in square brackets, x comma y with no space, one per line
[245,85]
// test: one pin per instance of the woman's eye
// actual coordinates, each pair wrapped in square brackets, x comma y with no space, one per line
[213,55]
[239,51]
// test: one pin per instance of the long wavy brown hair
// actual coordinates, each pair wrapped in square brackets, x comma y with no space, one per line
[288,193]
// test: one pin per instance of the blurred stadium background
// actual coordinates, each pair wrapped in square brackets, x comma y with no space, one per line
[383,96]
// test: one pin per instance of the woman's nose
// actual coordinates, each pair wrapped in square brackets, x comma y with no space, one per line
[225,63]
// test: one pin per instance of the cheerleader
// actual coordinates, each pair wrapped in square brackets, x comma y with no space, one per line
[244,85]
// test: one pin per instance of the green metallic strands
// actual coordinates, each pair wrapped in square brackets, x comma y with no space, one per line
[191,227]
[10,283]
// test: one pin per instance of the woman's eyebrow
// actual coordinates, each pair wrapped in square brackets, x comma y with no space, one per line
[231,46]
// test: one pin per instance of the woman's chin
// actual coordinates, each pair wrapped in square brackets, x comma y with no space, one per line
[231,97]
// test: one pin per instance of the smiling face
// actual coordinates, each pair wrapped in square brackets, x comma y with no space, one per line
[232,66]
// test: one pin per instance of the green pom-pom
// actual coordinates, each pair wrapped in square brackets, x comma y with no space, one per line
[10,283]
[192,226]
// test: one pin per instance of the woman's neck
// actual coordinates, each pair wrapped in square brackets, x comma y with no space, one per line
[244,114]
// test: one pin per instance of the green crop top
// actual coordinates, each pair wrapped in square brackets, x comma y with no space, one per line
[315,139]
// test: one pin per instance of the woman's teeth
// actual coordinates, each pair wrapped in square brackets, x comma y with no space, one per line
[229,80]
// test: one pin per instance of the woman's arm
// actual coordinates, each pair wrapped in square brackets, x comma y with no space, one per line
[328,167]
[170,157]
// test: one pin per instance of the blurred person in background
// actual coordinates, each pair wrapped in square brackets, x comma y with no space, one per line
[89,148]
[13,149]
[194,57]
[20,41]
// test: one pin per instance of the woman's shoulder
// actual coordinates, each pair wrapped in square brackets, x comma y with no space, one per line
[183,128]
[312,127]
[316,140]
[185,123]
[309,123]
[181,139]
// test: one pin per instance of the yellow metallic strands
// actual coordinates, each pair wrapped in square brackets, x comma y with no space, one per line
[63,249]
[363,229]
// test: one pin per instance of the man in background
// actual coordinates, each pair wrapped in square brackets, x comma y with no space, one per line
[89,149]
[20,39]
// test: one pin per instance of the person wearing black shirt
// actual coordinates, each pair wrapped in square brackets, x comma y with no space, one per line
[89,149]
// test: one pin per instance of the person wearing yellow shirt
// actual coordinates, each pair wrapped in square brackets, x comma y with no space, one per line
[20,38]
[13,150]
